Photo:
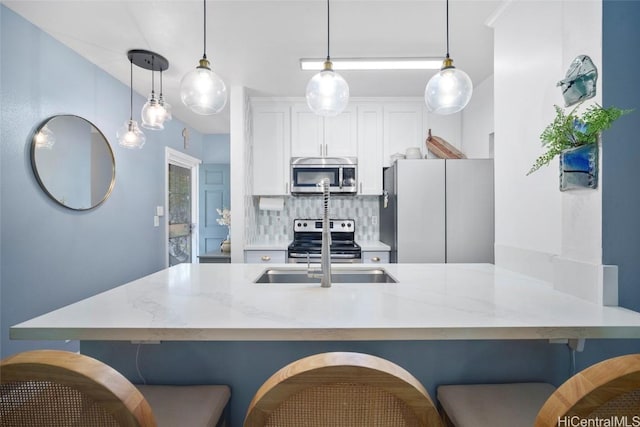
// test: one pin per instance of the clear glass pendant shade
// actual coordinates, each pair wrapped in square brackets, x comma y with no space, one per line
[327,93]
[130,135]
[166,107]
[153,114]
[448,92]
[203,91]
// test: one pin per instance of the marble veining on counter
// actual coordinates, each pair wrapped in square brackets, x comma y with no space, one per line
[430,301]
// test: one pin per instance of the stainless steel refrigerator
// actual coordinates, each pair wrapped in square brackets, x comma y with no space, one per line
[436,210]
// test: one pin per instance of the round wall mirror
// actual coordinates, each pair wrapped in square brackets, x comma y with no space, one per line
[73,162]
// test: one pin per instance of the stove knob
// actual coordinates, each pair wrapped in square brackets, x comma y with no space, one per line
[343,225]
[305,224]
[299,225]
[349,225]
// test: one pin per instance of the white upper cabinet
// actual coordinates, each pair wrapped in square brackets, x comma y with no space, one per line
[370,129]
[316,136]
[340,134]
[307,132]
[370,135]
[402,128]
[270,148]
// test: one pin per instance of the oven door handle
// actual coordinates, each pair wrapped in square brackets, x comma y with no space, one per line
[303,255]
[336,256]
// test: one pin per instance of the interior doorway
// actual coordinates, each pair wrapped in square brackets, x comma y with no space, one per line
[214,194]
[181,199]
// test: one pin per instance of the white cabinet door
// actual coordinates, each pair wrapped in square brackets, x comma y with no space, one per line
[340,134]
[270,148]
[307,132]
[402,128]
[370,132]
[316,136]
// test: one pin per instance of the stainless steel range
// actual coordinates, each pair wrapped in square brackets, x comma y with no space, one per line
[307,241]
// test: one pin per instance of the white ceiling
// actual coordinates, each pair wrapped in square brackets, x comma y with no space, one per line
[257,44]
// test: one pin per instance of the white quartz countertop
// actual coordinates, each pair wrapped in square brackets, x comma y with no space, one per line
[266,246]
[373,245]
[430,301]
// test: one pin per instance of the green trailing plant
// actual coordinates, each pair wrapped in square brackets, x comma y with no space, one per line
[568,130]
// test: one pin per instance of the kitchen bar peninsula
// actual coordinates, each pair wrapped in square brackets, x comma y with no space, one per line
[203,302]
[444,323]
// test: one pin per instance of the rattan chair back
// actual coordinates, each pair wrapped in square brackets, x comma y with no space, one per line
[60,388]
[342,389]
[609,390]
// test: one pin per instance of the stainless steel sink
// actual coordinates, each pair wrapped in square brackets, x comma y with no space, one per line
[351,275]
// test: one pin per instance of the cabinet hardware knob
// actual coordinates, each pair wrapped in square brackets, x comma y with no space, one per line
[265,258]
[375,259]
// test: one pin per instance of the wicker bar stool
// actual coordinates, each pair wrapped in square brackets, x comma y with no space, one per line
[605,390]
[342,389]
[61,388]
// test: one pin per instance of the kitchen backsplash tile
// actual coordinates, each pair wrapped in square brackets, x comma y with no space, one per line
[277,226]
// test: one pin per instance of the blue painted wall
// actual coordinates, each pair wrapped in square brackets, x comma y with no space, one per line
[216,148]
[621,147]
[52,256]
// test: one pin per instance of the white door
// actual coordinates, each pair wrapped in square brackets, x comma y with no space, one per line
[181,190]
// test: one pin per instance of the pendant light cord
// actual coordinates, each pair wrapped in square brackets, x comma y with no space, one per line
[204,55]
[131,89]
[153,72]
[447,28]
[328,30]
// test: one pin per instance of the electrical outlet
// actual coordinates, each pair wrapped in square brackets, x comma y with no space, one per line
[374,220]
[156,221]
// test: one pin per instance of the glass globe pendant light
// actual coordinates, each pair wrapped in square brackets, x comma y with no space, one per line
[152,114]
[166,107]
[202,90]
[450,90]
[327,92]
[130,135]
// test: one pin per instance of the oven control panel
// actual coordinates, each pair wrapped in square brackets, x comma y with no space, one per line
[335,225]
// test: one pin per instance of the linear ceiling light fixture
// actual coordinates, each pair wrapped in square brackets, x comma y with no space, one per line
[202,90]
[327,92]
[373,63]
[130,135]
[449,91]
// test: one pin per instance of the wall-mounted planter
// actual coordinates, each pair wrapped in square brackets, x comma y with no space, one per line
[579,167]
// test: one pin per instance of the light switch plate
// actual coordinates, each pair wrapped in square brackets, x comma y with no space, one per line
[160,210]
[156,221]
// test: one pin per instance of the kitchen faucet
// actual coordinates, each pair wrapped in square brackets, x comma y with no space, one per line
[325,255]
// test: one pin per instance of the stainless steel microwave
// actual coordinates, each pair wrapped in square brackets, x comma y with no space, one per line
[307,172]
